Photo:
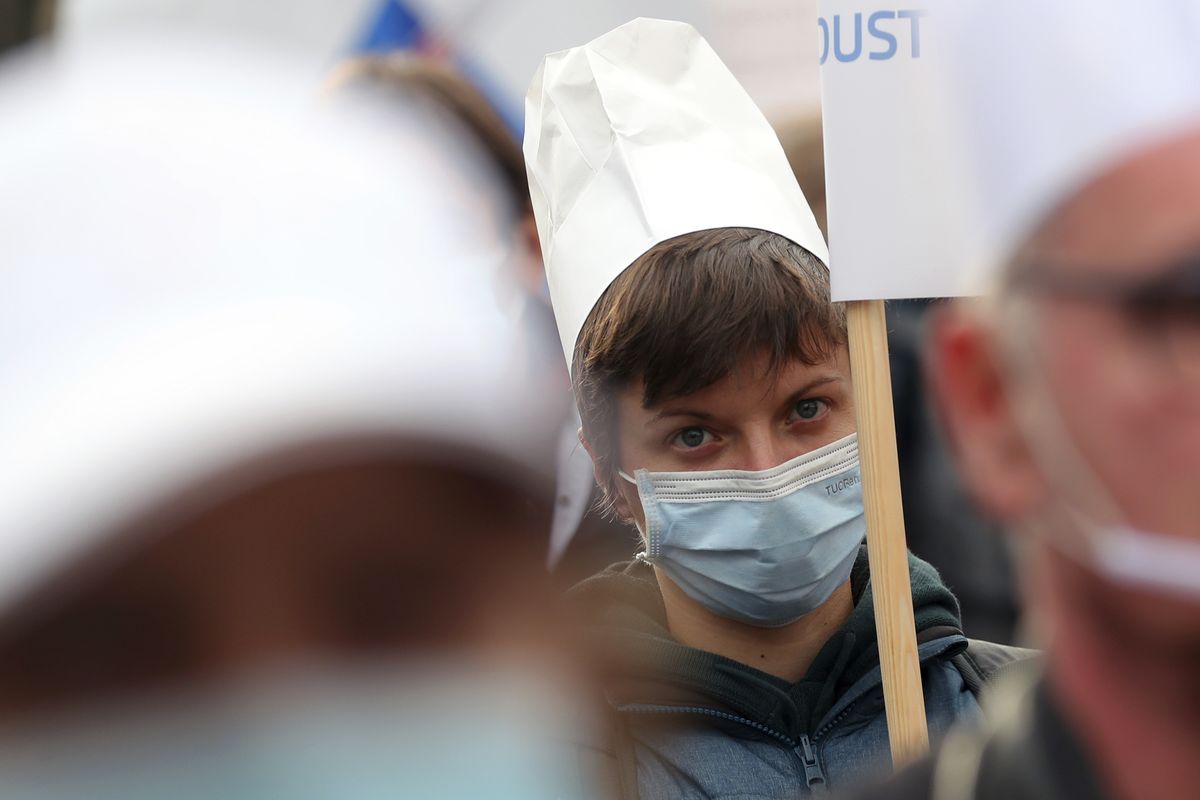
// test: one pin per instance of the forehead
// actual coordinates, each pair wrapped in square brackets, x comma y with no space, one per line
[1138,214]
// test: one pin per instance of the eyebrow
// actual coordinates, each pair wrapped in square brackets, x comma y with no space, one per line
[815,383]
[678,412]
[705,415]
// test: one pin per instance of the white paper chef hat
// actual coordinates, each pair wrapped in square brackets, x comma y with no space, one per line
[1049,94]
[640,136]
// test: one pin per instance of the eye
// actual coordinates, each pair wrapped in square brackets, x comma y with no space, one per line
[807,410]
[691,438]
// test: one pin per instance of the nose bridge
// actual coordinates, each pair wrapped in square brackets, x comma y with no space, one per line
[764,446]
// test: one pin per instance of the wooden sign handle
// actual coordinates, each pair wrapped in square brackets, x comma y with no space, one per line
[886,546]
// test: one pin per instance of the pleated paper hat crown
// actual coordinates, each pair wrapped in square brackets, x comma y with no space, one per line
[640,136]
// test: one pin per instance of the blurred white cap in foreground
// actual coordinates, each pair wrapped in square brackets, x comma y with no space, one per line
[1047,95]
[201,267]
[315,31]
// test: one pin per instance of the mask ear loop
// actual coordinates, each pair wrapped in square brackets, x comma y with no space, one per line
[642,555]
[1114,549]
[1048,437]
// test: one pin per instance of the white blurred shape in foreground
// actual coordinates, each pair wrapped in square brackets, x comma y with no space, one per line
[1048,95]
[316,31]
[202,264]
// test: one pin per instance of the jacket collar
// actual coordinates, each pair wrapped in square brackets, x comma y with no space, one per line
[624,610]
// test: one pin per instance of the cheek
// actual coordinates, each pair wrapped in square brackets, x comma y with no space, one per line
[1154,460]
[629,449]
[842,420]
[1138,429]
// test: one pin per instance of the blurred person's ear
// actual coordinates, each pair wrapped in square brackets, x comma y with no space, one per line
[967,376]
[531,269]
[529,233]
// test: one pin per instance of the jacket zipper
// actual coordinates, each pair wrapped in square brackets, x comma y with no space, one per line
[814,774]
[828,726]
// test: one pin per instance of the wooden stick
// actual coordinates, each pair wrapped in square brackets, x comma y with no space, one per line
[886,546]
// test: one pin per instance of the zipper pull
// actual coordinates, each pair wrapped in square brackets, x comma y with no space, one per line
[813,774]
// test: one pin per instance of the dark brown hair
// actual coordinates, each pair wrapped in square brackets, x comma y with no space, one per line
[688,311]
[447,87]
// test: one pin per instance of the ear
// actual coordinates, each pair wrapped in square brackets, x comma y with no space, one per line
[972,393]
[608,484]
[527,230]
[531,272]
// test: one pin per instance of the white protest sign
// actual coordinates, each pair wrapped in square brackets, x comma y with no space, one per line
[899,221]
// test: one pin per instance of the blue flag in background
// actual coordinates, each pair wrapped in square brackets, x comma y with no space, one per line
[396,25]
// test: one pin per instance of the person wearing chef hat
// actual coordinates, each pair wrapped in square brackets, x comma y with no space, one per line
[1072,392]
[690,287]
[274,489]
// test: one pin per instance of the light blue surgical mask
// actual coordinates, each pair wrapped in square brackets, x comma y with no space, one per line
[763,547]
[446,731]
